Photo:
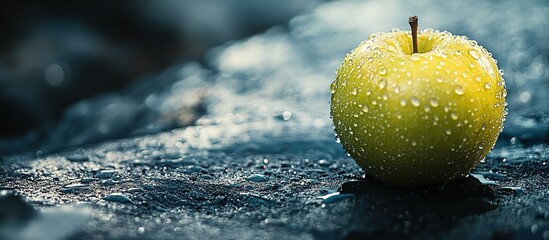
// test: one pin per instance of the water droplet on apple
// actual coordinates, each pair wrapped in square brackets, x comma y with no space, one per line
[414,143]
[397,90]
[415,57]
[382,83]
[454,115]
[354,91]
[433,102]
[440,80]
[365,108]
[333,87]
[474,53]
[487,85]
[403,102]
[385,96]
[370,59]
[415,101]
[481,146]
[382,71]
[459,90]
[483,127]
[448,132]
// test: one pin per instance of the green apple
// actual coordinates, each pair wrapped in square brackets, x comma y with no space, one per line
[418,118]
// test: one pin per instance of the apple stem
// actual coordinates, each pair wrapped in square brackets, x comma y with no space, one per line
[413,24]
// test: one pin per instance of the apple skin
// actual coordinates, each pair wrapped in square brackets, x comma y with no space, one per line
[424,118]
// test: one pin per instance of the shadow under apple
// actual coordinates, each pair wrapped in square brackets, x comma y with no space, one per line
[402,212]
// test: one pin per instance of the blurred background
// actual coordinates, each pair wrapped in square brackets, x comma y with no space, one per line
[57,52]
[77,72]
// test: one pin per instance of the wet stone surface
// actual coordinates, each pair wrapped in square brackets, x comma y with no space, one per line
[243,148]
[222,199]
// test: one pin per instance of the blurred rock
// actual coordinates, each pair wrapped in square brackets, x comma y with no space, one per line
[58,52]
[13,209]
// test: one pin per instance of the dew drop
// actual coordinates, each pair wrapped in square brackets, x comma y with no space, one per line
[365,108]
[459,90]
[415,102]
[333,87]
[487,85]
[382,71]
[433,102]
[382,83]
[454,115]
[474,53]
